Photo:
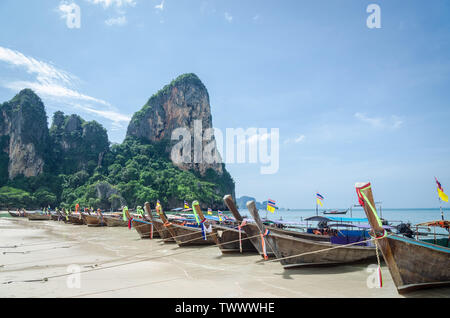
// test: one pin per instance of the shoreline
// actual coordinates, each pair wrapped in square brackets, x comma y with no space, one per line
[114,262]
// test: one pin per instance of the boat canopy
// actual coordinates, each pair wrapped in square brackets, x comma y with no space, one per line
[318,218]
[362,226]
[441,223]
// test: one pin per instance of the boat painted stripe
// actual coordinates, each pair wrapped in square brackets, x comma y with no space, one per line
[415,242]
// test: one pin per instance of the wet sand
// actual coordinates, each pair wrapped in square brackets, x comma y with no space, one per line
[114,262]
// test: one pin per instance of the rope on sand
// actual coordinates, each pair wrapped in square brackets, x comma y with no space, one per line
[45,279]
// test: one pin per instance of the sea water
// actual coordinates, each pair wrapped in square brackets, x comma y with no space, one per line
[393,216]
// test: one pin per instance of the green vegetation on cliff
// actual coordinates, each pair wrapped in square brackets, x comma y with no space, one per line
[134,171]
[80,165]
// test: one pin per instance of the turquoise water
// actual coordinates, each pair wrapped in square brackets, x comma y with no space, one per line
[413,216]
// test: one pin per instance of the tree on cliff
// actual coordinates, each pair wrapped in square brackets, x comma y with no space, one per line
[73,162]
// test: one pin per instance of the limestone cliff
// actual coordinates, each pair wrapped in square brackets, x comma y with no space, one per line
[178,105]
[77,144]
[24,133]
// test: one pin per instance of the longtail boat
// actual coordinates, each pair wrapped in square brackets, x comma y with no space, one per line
[335,212]
[143,227]
[230,240]
[38,217]
[14,214]
[93,220]
[297,252]
[413,264]
[193,234]
[54,216]
[113,221]
[252,231]
[158,224]
[77,219]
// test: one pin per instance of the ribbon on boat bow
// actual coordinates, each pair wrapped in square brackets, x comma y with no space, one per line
[202,224]
[263,244]
[240,235]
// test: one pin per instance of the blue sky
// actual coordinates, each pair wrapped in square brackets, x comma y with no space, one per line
[352,103]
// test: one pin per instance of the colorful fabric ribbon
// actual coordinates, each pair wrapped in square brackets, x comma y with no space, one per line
[240,235]
[263,244]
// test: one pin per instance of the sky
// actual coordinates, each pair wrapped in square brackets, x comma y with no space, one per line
[351,103]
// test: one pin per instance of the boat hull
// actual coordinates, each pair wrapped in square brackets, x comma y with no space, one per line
[144,230]
[38,217]
[76,220]
[253,233]
[163,231]
[228,240]
[191,236]
[287,247]
[115,222]
[415,265]
[93,221]
[14,214]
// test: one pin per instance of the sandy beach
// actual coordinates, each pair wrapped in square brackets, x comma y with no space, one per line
[41,259]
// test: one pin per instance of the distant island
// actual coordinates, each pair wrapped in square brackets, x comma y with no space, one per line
[73,162]
[242,203]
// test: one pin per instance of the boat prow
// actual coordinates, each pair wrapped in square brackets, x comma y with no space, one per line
[413,264]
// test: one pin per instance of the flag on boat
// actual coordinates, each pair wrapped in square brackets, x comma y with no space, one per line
[186,205]
[440,190]
[220,213]
[319,199]
[210,211]
[271,205]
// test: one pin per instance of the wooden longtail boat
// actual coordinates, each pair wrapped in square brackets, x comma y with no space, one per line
[38,217]
[292,250]
[249,228]
[229,242]
[413,264]
[77,219]
[252,231]
[143,227]
[335,212]
[186,235]
[158,224]
[94,220]
[14,214]
[112,221]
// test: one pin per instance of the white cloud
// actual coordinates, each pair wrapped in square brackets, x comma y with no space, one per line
[295,140]
[120,7]
[119,21]
[56,85]
[393,122]
[299,139]
[113,3]
[160,6]
[256,18]
[228,17]
[65,8]
[43,71]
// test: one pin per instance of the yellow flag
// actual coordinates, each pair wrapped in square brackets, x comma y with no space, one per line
[271,209]
[319,202]
[442,195]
